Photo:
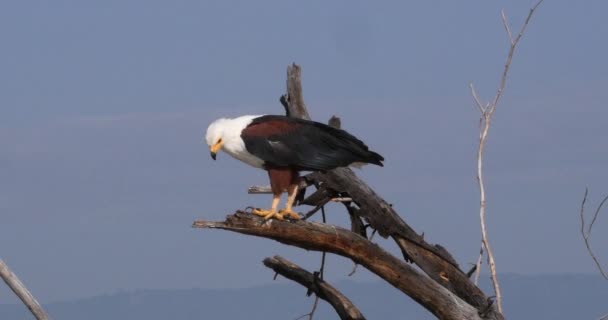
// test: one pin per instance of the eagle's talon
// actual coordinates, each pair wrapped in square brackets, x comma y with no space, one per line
[267,214]
[290,214]
[274,214]
[260,212]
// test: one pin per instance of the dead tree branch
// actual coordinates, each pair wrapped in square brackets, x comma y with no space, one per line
[21,291]
[323,237]
[434,260]
[487,112]
[343,306]
[587,233]
[293,101]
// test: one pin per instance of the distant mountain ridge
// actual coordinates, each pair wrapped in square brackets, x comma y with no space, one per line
[555,297]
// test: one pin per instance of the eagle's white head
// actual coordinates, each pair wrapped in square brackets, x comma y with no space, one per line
[215,134]
[225,134]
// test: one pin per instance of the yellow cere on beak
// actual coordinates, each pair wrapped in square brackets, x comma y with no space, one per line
[215,148]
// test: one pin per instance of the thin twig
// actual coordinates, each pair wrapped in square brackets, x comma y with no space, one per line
[588,232]
[485,121]
[353,270]
[312,212]
[355,265]
[514,43]
[21,291]
[321,270]
[597,211]
[478,265]
[312,312]
[506,24]
[476,97]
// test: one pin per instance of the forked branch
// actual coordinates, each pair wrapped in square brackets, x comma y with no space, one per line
[487,112]
[343,306]
[379,215]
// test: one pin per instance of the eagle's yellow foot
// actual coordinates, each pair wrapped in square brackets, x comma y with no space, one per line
[267,214]
[290,214]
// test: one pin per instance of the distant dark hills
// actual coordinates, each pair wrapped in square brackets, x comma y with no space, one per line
[555,297]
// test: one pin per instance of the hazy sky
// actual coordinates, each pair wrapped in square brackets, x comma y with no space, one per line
[103,108]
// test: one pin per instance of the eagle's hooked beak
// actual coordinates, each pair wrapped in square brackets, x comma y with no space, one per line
[215,148]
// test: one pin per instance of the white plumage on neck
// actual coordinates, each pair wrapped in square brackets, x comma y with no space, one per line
[229,131]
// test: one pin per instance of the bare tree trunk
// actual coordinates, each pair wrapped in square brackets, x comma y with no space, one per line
[21,291]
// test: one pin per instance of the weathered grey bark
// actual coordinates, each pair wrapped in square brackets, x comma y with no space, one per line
[328,238]
[293,101]
[434,260]
[485,120]
[343,306]
[21,291]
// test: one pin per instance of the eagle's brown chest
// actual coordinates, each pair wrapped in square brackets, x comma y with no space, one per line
[281,178]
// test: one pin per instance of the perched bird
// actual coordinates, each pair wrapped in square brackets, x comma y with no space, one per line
[285,146]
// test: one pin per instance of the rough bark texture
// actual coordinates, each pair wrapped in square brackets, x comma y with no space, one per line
[343,306]
[434,260]
[328,238]
[293,101]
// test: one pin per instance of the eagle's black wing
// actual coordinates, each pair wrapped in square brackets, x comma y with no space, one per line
[304,145]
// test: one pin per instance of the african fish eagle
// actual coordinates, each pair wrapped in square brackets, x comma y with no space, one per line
[284,146]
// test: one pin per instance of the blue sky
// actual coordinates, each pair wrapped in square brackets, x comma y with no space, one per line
[104,106]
